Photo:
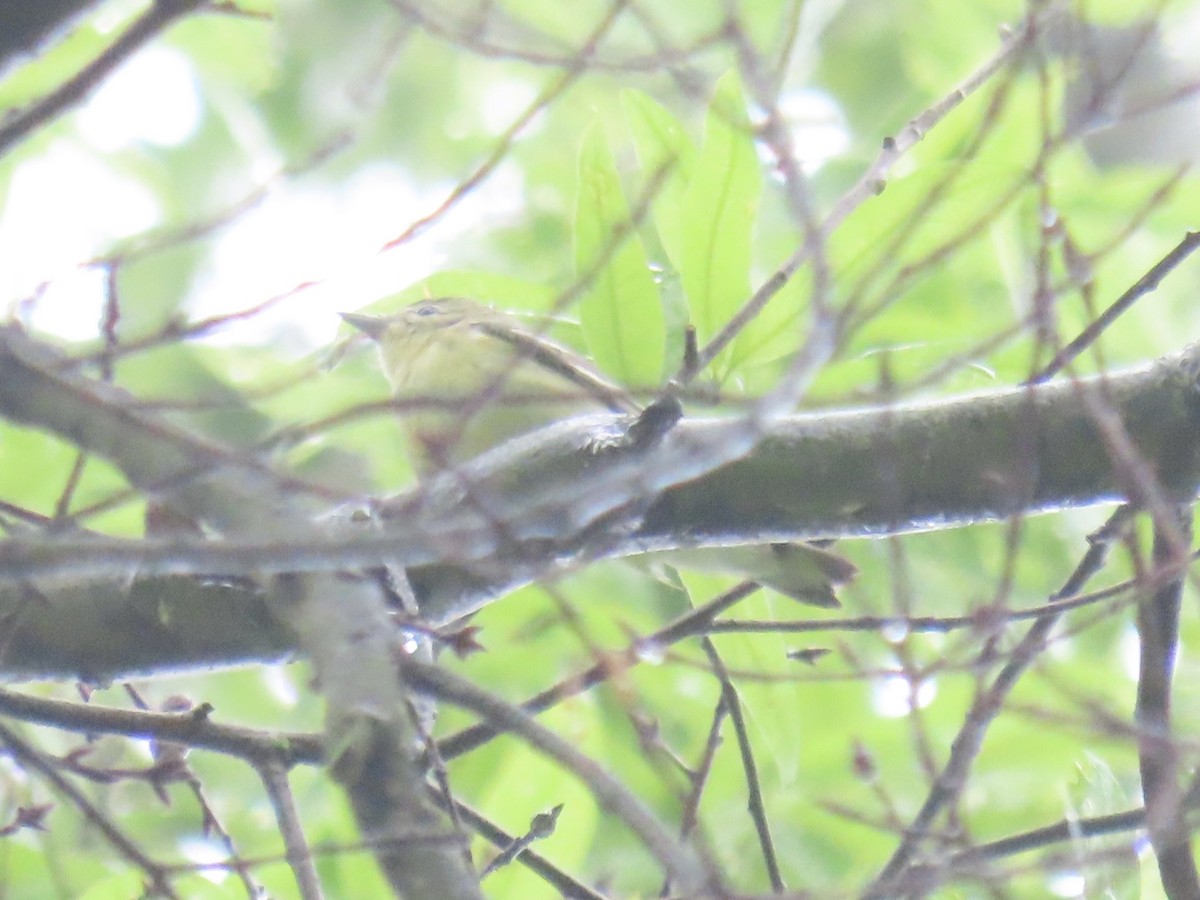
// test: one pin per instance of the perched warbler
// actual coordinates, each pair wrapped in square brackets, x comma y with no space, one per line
[471,377]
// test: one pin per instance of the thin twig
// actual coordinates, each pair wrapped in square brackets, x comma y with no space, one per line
[951,781]
[299,855]
[558,879]
[688,624]
[1122,304]
[758,809]
[692,872]
[157,18]
[540,826]
[32,759]
[254,745]
[581,57]
[1158,757]
[869,185]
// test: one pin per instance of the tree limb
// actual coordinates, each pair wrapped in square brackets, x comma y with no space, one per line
[340,623]
[569,493]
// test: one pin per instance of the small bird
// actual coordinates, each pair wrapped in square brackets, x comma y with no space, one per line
[469,377]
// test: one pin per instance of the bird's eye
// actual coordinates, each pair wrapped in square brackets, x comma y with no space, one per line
[427,309]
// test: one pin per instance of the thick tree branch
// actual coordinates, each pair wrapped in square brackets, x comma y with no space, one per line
[574,491]
[340,623]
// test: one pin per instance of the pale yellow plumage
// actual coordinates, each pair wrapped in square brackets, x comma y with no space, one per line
[475,377]
[470,378]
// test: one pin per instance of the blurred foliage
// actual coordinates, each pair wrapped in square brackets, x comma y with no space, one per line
[392,151]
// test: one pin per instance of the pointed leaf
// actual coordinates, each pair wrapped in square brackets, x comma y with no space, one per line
[661,142]
[719,211]
[621,311]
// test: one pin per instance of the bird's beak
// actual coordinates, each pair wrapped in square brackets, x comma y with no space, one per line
[372,326]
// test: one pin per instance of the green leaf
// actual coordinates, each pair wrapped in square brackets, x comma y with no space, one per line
[718,217]
[662,143]
[621,312]
[124,884]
